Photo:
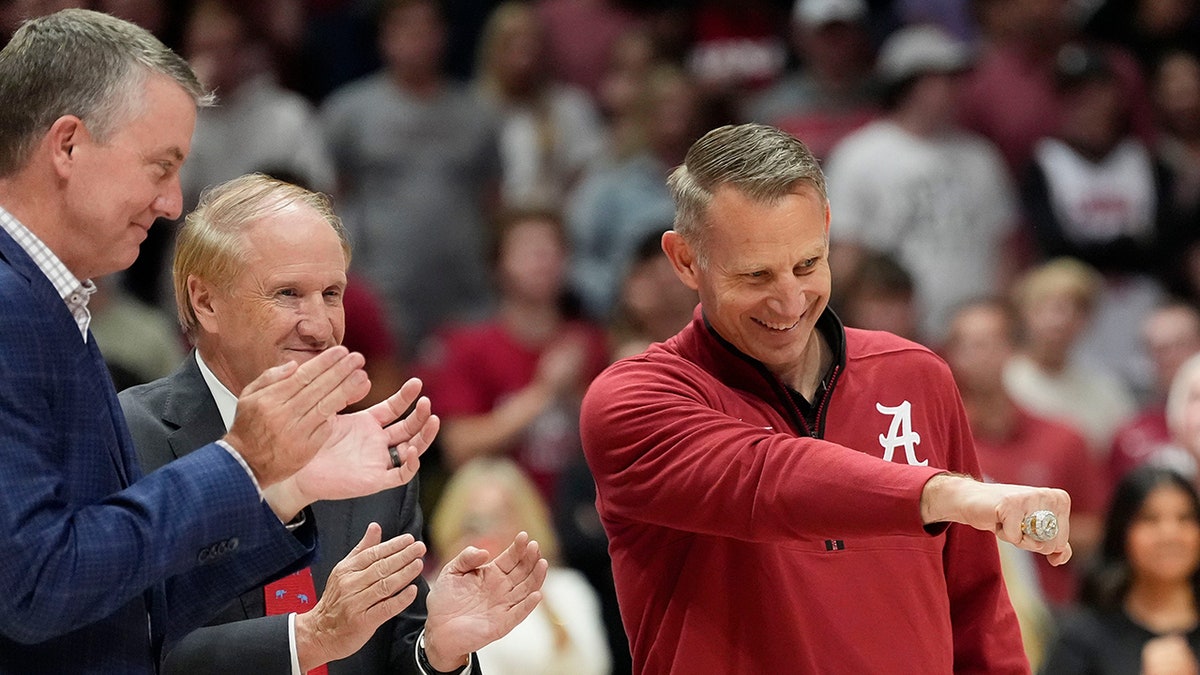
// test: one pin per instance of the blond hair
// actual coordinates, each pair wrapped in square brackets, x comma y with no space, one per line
[1080,281]
[533,516]
[209,245]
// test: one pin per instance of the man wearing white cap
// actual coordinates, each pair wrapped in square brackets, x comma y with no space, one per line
[832,93]
[916,185]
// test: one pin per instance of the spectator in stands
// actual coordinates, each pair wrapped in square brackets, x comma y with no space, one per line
[1177,99]
[1183,419]
[626,68]
[1170,334]
[485,504]
[1012,97]
[621,201]
[581,34]
[1095,192]
[879,295]
[1141,613]
[831,92]
[550,131]
[511,385]
[1151,29]
[916,185]
[1016,446]
[1054,302]
[735,46]
[653,305]
[417,163]
[259,125]
[140,342]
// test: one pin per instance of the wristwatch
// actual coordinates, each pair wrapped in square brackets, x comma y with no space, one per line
[423,660]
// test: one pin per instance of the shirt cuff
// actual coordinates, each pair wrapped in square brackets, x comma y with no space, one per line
[292,644]
[241,460]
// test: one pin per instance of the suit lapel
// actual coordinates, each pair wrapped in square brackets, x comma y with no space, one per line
[191,410]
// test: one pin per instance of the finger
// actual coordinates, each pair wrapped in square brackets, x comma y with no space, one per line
[271,376]
[390,606]
[410,452]
[309,397]
[414,422]
[344,383]
[523,584]
[395,563]
[531,585]
[301,375]
[1060,557]
[409,466]
[370,538]
[1008,523]
[381,550]
[388,574]
[520,610]
[387,577]
[322,393]
[389,479]
[390,409]
[510,557]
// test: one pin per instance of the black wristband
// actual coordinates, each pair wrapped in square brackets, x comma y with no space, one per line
[423,660]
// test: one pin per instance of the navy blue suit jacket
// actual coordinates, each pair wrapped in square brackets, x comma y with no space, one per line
[102,567]
[173,416]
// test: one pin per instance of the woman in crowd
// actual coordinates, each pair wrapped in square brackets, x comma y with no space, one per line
[510,385]
[1140,607]
[483,503]
[550,131]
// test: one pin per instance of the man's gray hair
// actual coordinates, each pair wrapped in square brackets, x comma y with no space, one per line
[762,162]
[83,63]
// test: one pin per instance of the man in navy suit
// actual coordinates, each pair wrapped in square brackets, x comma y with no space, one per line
[260,271]
[104,567]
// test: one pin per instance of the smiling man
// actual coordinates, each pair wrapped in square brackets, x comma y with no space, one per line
[260,272]
[103,565]
[777,488]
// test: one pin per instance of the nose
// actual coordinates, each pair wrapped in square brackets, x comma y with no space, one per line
[316,322]
[169,201]
[789,296]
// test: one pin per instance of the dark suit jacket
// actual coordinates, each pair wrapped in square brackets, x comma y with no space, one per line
[172,416]
[92,549]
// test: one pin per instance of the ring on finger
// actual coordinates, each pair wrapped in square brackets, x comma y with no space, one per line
[1040,525]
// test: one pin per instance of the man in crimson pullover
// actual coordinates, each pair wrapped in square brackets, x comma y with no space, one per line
[783,494]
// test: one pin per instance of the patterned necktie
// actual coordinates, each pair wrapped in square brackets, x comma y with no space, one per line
[293,593]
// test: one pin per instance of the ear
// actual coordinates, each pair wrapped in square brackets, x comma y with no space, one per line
[682,258]
[201,295]
[65,135]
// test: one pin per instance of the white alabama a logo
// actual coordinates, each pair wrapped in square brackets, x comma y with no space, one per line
[900,433]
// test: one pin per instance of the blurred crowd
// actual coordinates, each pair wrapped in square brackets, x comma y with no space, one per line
[1013,183]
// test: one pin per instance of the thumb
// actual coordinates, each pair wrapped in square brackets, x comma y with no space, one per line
[469,559]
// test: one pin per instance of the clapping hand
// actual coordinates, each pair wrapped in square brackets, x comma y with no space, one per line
[372,584]
[476,600]
[355,460]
